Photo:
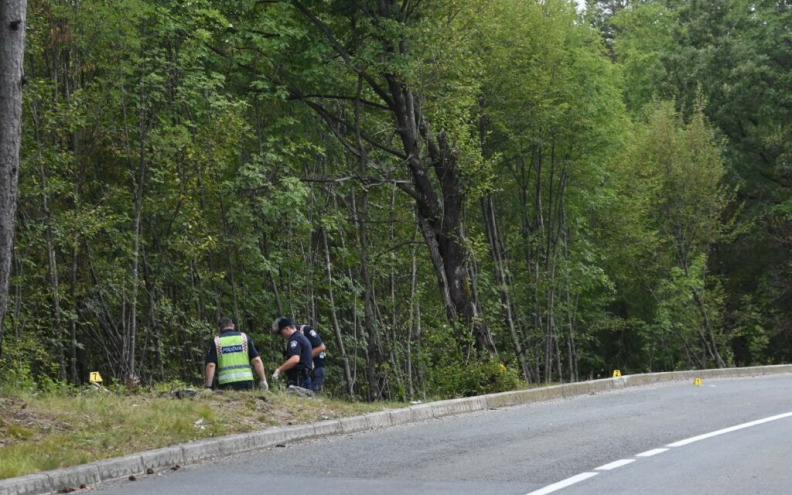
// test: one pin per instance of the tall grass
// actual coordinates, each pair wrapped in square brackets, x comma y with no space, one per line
[44,431]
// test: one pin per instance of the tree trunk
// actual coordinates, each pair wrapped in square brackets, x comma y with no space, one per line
[440,219]
[439,202]
[129,340]
[375,358]
[334,319]
[411,324]
[73,376]
[58,330]
[496,251]
[13,23]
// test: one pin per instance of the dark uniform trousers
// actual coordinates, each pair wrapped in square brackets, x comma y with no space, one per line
[299,378]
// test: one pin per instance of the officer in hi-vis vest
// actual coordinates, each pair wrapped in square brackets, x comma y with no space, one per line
[232,354]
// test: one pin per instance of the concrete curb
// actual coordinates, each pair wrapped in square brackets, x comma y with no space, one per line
[203,450]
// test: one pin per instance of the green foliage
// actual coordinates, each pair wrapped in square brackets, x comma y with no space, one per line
[645,40]
[175,163]
[449,373]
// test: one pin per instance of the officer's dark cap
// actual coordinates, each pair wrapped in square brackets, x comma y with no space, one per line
[282,323]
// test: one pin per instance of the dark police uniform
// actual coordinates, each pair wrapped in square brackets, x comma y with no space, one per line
[252,352]
[318,376]
[300,375]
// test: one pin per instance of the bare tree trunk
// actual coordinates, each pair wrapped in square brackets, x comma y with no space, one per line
[413,311]
[334,318]
[156,328]
[129,341]
[13,23]
[57,327]
[708,338]
[571,344]
[496,251]
[374,359]
[73,376]
[394,324]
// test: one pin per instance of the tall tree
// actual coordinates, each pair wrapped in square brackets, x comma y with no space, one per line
[386,53]
[736,56]
[13,24]
[549,149]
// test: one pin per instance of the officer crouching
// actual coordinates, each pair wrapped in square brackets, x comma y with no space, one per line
[299,356]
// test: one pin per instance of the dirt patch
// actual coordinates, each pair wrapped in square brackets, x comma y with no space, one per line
[20,424]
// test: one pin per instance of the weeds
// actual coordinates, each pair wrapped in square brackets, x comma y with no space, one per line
[43,431]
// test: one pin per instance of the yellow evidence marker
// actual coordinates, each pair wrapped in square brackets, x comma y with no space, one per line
[95,377]
[616,373]
[697,382]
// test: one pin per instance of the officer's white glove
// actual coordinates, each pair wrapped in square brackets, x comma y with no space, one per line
[263,385]
[276,374]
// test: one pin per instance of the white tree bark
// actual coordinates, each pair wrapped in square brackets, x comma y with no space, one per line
[13,23]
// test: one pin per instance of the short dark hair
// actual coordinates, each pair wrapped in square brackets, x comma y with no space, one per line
[281,323]
[225,322]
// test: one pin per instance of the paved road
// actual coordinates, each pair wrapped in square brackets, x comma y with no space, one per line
[535,449]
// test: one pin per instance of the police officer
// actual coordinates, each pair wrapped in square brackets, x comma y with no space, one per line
[231,354]
[299,359]
[318,351]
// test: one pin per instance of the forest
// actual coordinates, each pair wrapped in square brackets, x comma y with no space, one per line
[462,196]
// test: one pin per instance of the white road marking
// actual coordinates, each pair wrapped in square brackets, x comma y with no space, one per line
[615,464]
[729,430]
[650,453]
[562,484]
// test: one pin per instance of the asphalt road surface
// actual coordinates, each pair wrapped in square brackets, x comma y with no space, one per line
[725,437]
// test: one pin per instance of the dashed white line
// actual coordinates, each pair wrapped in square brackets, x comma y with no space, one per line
[650,453]
[615,464]
[562,484]
[623,462]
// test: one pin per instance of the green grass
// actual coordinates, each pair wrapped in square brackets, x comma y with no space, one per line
[44,431]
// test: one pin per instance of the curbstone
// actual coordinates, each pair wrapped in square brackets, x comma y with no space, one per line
[605,384]
[507,399]
[353,424]
[401,416]
[31,484]
[421,412]
[575,389]
[504,399]
[331,427]
[239,443]
[73,477]
[202,449]
[546,393]
[119,467]
[278,436]
[379,419]
[159,458]
[457,406]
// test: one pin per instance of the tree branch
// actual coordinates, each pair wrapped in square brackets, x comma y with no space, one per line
[332,119]
[348,98]
[344,54]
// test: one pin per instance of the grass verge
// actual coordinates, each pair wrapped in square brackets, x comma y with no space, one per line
[44,431]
